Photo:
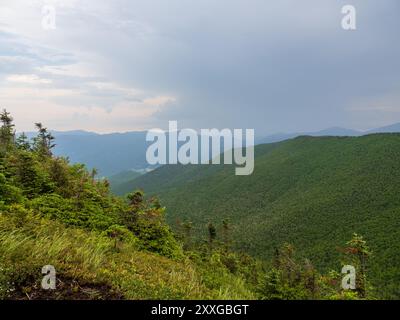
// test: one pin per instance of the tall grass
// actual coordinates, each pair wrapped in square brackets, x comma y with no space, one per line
[28,242]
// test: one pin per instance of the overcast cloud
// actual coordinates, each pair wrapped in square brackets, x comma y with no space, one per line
[127,65]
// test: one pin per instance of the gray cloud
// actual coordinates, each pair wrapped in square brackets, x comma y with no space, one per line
[270,65]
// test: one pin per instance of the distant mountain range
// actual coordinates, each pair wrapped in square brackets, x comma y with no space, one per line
[114,153]
[334,132]
[110,153]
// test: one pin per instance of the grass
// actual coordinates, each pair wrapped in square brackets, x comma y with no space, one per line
[89,266]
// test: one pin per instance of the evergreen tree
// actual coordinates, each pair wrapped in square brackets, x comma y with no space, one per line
[22,142]
[358,252]
[94,173]
[212,234]
[7,132]
[136,199]
[43,143]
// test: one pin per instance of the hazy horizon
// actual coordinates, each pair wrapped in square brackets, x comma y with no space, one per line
[179,128]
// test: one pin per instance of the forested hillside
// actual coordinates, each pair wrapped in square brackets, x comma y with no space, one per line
[313,192]
[106,247]
[123,177]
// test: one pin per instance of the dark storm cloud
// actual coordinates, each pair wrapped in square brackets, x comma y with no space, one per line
[284,65]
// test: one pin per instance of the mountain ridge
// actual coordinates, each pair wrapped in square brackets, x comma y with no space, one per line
[113,153]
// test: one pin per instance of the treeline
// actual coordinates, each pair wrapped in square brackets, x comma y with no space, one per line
[54,212]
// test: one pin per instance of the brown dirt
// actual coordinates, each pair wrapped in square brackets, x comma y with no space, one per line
[67,289]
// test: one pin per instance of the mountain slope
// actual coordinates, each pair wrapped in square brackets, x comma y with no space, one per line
[334,131]
[123,177]
[391,128]
[313,192]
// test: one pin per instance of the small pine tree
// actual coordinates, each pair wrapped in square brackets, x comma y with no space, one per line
[358,252]
[94,173]
[7,132]
[43,142]
[136,199]
[22,142]
[212,234]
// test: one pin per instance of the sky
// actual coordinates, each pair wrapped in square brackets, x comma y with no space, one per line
[272,66]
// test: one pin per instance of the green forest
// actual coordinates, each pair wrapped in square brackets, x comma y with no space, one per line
[311,192]
[121,247]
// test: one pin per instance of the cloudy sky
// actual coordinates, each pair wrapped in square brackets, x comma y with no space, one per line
[275,66]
